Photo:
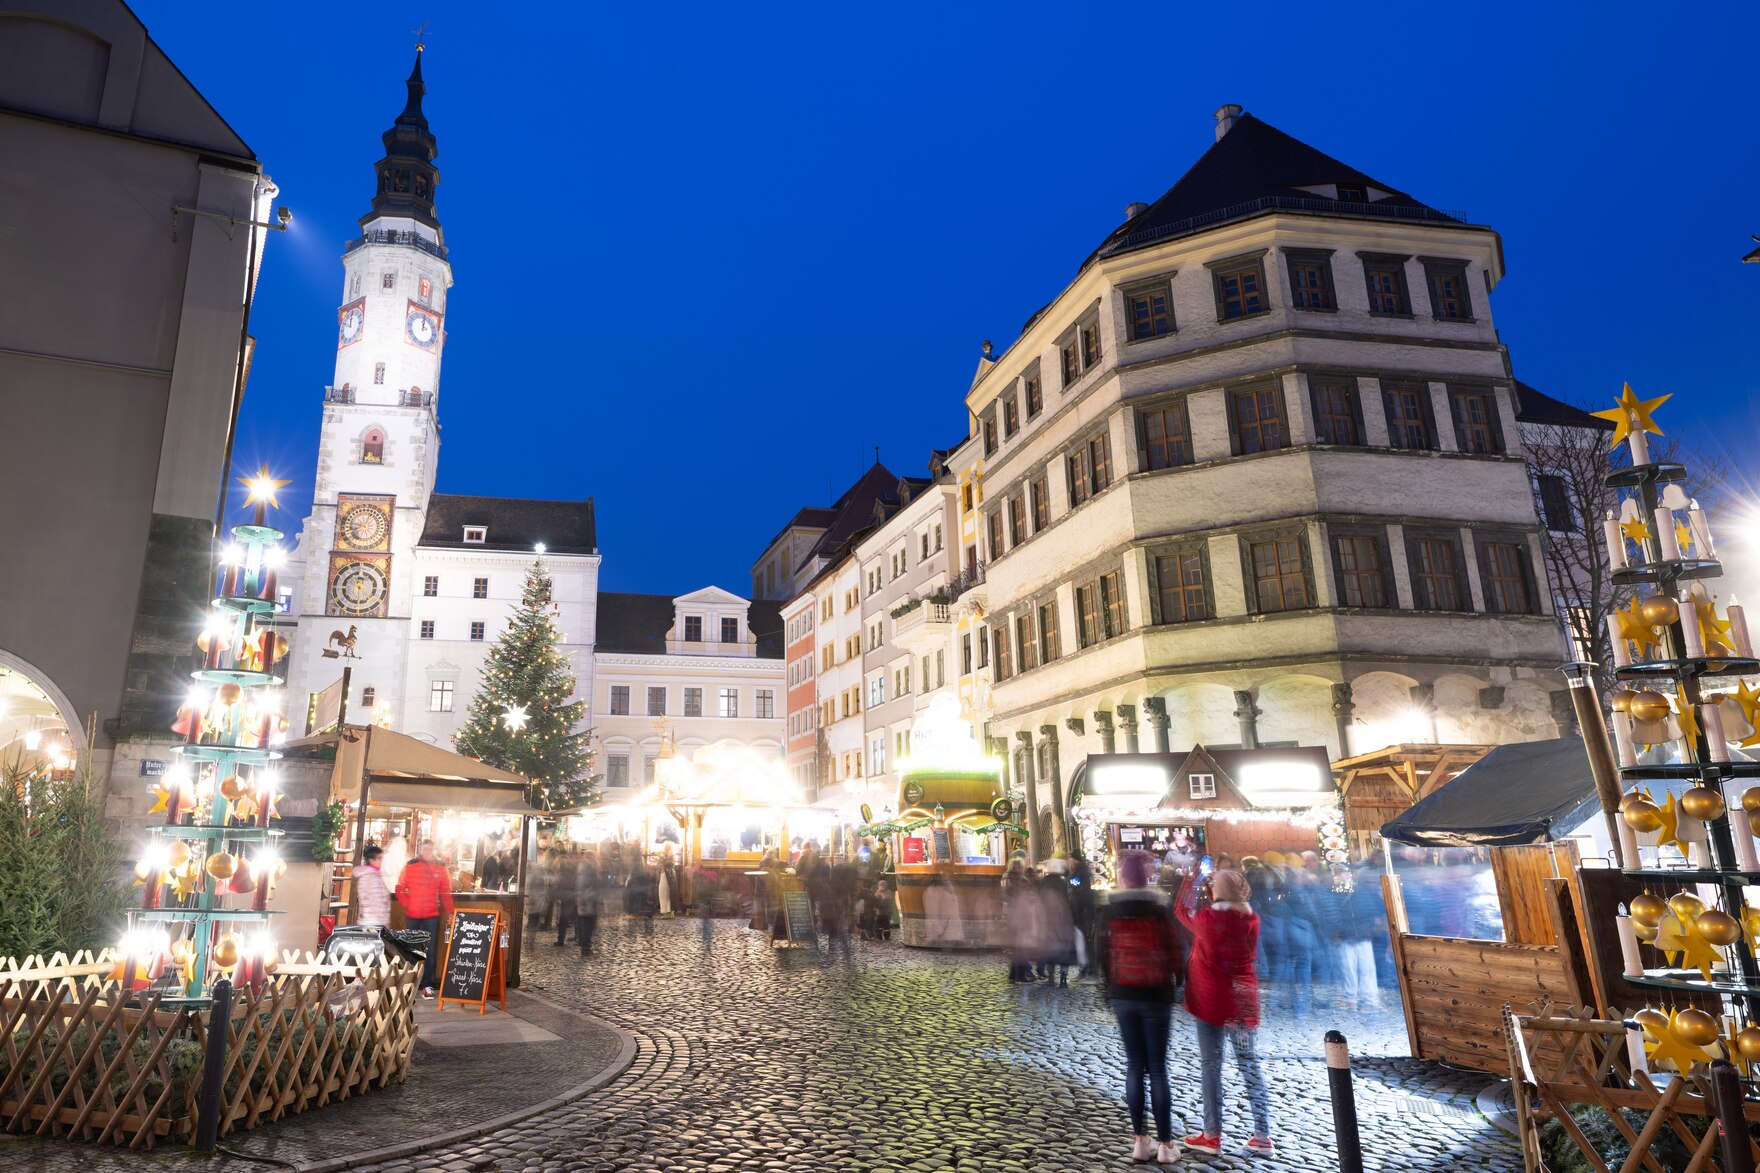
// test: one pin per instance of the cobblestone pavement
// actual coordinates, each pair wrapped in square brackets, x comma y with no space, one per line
[753,1059]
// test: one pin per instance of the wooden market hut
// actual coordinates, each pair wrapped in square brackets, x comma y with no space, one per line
[1375,787]
[1521,802]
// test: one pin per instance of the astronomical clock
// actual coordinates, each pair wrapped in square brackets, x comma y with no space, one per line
[360,558]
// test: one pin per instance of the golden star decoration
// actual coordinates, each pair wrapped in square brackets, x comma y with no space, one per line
[1670,815]
[1669,1049]
[1688,717]
[1749,700]
[1634,627]
[1683,536]
[1711,628]
[1751,926]
[186,881]
[1732,1052]
[1635,530]
[263,488]
[1631,414]
[159,804]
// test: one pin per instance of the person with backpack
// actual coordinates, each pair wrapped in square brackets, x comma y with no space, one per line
[1222,993]
[1134,943]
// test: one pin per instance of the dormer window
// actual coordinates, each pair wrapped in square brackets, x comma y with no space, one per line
[1353,194]
[476,535]
[373,447]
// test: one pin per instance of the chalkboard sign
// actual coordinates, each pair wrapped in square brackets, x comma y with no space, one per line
[473,968]
[799,911]
[943,848]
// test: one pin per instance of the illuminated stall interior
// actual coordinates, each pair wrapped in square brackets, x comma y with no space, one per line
[33,731]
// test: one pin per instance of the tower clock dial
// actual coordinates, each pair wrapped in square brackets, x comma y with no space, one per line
[421,328]
[363,527]
[349,321]
[358,589]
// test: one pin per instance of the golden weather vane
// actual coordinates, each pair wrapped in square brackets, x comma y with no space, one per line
[420,36]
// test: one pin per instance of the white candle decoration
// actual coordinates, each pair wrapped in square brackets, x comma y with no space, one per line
[1622,740]
[1616,543]
[1690,636]
[1700,854]
[1701,527]
[1738,629]
[1635,1056]
[1628,947]
[1628,845]
[1711,717]
[1666,546]
[1640,446]
[1747,859]
[1622,651]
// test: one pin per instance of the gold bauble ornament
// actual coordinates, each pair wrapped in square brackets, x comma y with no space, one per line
[232,788]
[1654,1021]
[1720,928]
[1751,799]
[1703,803]
[1686,906]
[177,853]
[1754,821]
[1642,816]
[181,950]
[1716,649]
[221,865]
[1621,700]
[1632,796]
[1647,908]
[229,693]
[1696,1028]
[1748,1043]
[1658,610]
[1646,933]
[1648,705]
[226,951]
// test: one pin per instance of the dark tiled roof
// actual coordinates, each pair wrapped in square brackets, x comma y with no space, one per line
[1252,168]
[564,527]
[638,623]
[1537,407]
[854,511]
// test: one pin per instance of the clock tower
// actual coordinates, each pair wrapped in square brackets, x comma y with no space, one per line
[380,438]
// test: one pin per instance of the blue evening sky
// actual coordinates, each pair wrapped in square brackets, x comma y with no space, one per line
[708,256]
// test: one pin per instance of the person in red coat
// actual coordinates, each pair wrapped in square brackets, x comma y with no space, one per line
[425,891]
[1222,994]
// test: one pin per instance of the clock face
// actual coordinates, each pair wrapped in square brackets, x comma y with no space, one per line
[358,589]
[348,324]
[363,527]
[421,328]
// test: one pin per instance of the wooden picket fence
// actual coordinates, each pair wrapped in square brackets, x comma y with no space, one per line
[1587,1063]
[81,1063]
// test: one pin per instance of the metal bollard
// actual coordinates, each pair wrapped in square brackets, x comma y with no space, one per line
[1732,1123]
[1344,1104]
[208,1102]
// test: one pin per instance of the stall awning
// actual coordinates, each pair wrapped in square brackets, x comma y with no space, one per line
[410,773]
[1515,794]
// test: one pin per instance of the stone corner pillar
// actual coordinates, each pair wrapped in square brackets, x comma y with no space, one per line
[1103,725]
[1344,711]
[1127,721]
[1155,708]
[1030,784]
[1059,814]
[1248,714]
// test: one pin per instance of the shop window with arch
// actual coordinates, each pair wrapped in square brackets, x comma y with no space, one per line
[373,447]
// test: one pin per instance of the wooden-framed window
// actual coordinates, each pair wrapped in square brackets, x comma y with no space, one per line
[1088,614]
[1335,411]
[1476,426]
[1449,298]
[1361,570]
[620,700]
[1017,519]
[1029,646]
[1240,287]
[1408,415]
[1166,437]
[1071,359]
[990,434]
[1437,575]
[1079,351]
[1280,580]
[1181,593]
[656,701]
[1100,461]
[1256,417]
[479,588]
[1090,336]
[1112,604]
[440,696]
[1003,666]
[1505,576]
[1149,309]
[693,629]
[1385,276]
[1076,468]
[1035,389]
[1089,468]
[1555,503]
[1011,416]
[431,586]
[1041,492]
[729,630]
[996,546]
[1048,649]
[1310,279]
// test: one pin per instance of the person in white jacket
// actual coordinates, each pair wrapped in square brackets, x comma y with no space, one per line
[369,883]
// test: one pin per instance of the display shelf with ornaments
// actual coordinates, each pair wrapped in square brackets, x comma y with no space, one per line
[216,843]
[1672,739]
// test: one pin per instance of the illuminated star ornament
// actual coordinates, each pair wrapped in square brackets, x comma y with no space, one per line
[515,718]
[264,488]
[1631,414]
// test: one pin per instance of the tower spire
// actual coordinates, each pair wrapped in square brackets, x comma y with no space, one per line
[406,175]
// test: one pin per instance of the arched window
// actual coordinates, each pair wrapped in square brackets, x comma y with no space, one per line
[373,447]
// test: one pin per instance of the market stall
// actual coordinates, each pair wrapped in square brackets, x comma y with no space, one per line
[397,792]
[1237,802]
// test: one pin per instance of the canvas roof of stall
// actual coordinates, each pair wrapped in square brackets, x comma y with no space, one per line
[409,773]
[1524,793]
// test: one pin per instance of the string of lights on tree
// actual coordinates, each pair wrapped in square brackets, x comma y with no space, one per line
[522,718]
[1672,732]
[210,866]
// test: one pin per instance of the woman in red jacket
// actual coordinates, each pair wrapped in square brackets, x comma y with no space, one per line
[1222,993]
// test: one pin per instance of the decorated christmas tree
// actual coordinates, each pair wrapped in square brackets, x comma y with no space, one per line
[522,718]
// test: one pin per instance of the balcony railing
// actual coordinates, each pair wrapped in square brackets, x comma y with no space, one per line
[918,617]
[390,236]
[411,398]
[965,580]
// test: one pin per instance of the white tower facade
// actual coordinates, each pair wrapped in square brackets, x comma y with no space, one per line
[379,442]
